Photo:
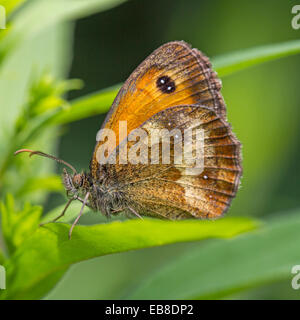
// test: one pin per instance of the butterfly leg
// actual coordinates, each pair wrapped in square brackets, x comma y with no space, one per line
[80,213]
[62,214]
[114,212]
[81,200]
[134,212]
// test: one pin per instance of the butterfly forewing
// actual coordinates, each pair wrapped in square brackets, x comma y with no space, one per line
[174,74]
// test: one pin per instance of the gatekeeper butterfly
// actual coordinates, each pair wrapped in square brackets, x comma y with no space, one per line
[174,88]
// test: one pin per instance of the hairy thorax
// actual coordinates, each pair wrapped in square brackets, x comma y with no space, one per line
[105,197]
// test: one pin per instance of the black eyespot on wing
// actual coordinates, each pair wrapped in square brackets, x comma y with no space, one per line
[166,84]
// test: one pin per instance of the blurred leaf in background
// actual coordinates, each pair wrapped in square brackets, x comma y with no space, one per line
[222,268]
[36,40]
[18,225]
[35,56]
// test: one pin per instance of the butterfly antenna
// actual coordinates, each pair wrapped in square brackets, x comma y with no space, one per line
[42,154]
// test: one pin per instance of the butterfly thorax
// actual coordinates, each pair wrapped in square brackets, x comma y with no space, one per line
[104,196]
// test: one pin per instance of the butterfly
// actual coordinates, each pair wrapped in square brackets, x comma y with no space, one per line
[173,88]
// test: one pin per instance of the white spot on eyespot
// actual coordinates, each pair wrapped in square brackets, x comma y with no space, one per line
[205,177]
[162,81]
[169,88]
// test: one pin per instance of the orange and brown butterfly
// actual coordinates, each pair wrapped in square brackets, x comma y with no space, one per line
[171,89]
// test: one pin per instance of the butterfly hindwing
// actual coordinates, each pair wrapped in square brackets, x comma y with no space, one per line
[170,190]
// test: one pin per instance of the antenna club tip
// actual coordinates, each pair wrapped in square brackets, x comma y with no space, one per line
[42,154]
[22,150]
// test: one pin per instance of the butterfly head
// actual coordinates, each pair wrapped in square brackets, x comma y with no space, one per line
[72,182]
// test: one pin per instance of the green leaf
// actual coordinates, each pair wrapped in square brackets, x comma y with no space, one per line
[70,215]
[18,225]
[45,93]
[259,257]
[239,60]
[92,104]
[47,183]
[40,15]
[44,99]
[50,246]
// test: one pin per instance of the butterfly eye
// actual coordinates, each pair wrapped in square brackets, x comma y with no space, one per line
[166,84]
[77,180]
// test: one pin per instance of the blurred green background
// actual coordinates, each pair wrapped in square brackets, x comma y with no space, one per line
[263,104]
